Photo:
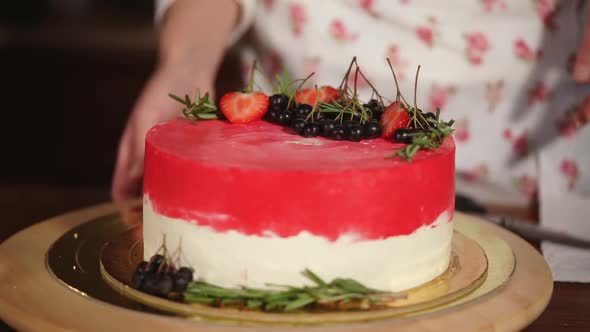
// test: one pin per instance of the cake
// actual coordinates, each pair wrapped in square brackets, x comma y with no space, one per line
[253,204]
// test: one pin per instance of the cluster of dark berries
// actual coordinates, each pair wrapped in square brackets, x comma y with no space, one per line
[323,124]
[159,277]
[406,135]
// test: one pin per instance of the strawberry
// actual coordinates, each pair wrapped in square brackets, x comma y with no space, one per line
[328,94]
[243,107]
[394,117]
[305,96]
[308,96]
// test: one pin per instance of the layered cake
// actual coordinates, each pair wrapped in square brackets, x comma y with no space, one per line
[253,204]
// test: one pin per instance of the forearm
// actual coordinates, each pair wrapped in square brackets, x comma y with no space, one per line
[196,32]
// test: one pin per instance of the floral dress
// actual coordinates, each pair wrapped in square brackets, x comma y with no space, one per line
[501,69]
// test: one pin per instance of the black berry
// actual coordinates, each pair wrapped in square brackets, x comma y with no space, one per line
[186,273]
[374,105]
[311,129]
[272,116]
[326,126]
[371,130]
[164,285]
[284,118]
[298,125]
[377,115]
[149,284]
[302,110]
[155,262]
[142,267]
[337,133]
[402,135]
[137,280]
[279,101]
[354,132]
[348,123]
[180,284]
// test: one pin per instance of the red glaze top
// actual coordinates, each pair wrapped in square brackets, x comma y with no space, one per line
[260,179]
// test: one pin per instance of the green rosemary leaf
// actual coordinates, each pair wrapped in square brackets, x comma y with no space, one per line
[282,296]
[207,116]
[341,297]
[413,149]
[281,286]
[301,301]
[198,299]
[203,108]
[313,277]
[351,286]
[276,305]
[284,83]
[177,98]
[254,304]
[289,299]
[231,301]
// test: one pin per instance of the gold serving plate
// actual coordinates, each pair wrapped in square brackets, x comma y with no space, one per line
[97,259]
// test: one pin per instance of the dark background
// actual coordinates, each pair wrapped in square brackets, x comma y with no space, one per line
[70,74]
[70,71]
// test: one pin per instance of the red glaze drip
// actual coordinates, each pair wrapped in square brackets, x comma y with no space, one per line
[256,180]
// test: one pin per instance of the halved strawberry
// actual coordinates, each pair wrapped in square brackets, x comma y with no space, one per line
[328,94]
[308,96]
[305,96]
[242,107]
[394,117]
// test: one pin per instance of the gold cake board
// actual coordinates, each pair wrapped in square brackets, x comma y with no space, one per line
[510,297]
[466,272]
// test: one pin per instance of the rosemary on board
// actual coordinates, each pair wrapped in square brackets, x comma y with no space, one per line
[283,83]
[202,108]
[340,293]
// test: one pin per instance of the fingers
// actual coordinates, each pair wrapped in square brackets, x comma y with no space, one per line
[581,71]
[128,170]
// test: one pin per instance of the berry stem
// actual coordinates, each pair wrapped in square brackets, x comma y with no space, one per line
[344,84]
[299,87]
[415,117]
[398,94]
[372,87]
[315,107]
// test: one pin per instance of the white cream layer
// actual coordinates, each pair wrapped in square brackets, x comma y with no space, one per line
[230,258]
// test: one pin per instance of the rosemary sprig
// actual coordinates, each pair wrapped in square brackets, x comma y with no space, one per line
[339,293]
[283,83]
[353,108]
[430,137]
[202,108]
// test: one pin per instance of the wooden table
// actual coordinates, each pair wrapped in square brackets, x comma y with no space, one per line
[24,205]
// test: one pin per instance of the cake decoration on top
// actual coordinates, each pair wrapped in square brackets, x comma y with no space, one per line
[335,114]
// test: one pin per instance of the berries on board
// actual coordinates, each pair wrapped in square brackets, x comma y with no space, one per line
[159,277]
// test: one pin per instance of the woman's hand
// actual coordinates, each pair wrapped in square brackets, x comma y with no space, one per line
[193,38]
[153,107]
